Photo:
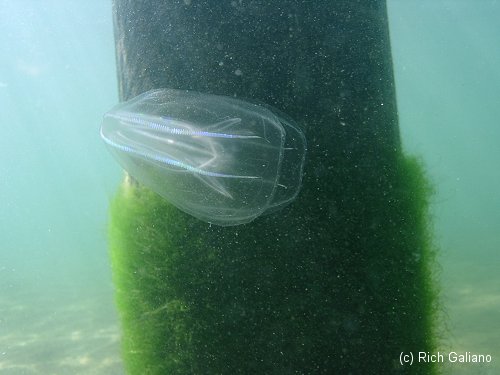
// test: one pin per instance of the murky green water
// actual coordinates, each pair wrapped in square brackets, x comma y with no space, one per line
[57,78]
[447,56]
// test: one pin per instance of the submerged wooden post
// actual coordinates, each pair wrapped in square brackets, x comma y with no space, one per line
[339,281]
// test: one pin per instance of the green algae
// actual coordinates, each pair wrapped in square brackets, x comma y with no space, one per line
[288,293]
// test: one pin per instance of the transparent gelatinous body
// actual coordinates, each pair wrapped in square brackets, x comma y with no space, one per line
[223,160]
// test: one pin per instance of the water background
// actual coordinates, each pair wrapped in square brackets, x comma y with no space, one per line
[57,78]
[447,69]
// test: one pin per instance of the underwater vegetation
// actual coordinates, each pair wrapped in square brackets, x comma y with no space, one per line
[338,283]
[223,160]
[189,305]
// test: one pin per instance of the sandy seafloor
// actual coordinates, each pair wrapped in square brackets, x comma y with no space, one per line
[69,332]
[64,334]
[470,306]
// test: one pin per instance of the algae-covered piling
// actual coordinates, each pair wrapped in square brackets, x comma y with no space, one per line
[340,281]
